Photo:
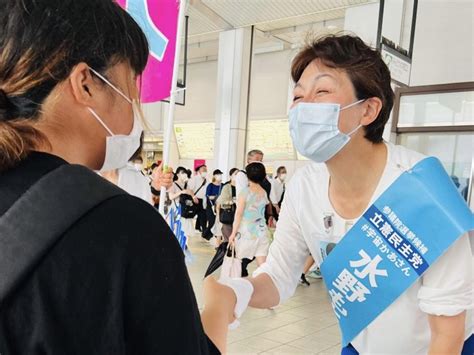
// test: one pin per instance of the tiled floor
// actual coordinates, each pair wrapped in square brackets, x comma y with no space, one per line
[303,325]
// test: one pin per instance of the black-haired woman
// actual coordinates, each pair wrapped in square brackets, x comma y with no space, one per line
[250,233]
[85,268]
[180,193]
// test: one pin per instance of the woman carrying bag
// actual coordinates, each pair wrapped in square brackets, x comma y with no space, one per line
[226,205]
[250,234]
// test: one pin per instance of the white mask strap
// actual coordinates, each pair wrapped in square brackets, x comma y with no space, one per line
[352,104]
[111,85]
[100,121]
[354,130]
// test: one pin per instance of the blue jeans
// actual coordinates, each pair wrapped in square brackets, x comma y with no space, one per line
[468,348]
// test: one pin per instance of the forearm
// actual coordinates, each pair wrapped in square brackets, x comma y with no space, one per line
[265,294]
[447,334]
[236,225]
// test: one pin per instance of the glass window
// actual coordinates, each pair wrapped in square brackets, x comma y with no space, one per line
[453,149]
[437,109]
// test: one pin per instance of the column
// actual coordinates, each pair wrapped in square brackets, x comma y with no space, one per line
[233,76]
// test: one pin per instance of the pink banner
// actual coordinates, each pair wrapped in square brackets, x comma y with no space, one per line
[159,21]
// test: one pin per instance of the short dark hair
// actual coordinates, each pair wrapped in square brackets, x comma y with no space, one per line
[256,172]
[365,67]
[199,167]
[232,171]
[280,169]
[180,170]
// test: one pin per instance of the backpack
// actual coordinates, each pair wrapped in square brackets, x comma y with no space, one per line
[39,218]
[188,208]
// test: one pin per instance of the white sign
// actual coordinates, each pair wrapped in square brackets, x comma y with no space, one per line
[399,65]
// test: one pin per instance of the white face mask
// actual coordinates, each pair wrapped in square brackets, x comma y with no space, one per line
[119,148]
[315,132]
[218,178]
[138,166]
[204,174]
[183,177]
[282,177]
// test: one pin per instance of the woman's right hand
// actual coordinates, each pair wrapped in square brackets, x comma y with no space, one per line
[232,239]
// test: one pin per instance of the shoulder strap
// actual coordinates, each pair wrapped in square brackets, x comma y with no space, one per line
[37,220]
[179,187]
[203,183]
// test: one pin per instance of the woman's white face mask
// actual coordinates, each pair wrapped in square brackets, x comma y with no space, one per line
[119,148]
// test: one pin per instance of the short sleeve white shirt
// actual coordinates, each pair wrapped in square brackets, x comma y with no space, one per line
[445,289]
[198,183]
[134,182]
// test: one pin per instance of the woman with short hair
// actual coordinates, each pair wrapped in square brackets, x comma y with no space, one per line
[342,102]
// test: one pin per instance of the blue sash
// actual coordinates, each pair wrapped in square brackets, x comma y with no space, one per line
[396,240]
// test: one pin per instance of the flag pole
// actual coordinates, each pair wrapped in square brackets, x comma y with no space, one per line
[172,104]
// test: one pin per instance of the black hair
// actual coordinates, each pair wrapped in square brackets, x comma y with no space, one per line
[256,172]
[232,171]
[199,167]
[40,44]
[280,169]
[42,41]
[180,170]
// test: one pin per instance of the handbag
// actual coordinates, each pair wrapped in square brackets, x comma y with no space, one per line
[227,214]
[231,266]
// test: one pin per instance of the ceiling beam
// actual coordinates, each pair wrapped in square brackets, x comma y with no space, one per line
[214,17]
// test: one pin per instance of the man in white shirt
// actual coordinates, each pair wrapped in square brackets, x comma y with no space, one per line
[278,190]
[198,185]
[241,181]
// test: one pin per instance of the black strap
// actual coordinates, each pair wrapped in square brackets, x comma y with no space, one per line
[37,220]
[203,183]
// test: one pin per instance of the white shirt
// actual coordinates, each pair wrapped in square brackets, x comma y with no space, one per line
[278,187]
[241,182]
[445,289]
[134,182]
[195,183]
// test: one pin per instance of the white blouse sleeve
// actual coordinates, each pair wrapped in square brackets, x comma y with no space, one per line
[288,251]
[241,182]
[447,287]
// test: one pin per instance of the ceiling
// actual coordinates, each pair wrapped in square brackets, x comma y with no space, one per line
[279,24]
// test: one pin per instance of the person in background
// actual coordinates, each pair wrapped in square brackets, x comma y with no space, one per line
[179,193]
[199,184]
[131,178]
[137,162]
[278,191]
[242,183]
[227,200]
[213,191]
[112,279]
[250,233]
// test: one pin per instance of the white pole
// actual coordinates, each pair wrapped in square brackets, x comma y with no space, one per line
[172,104]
